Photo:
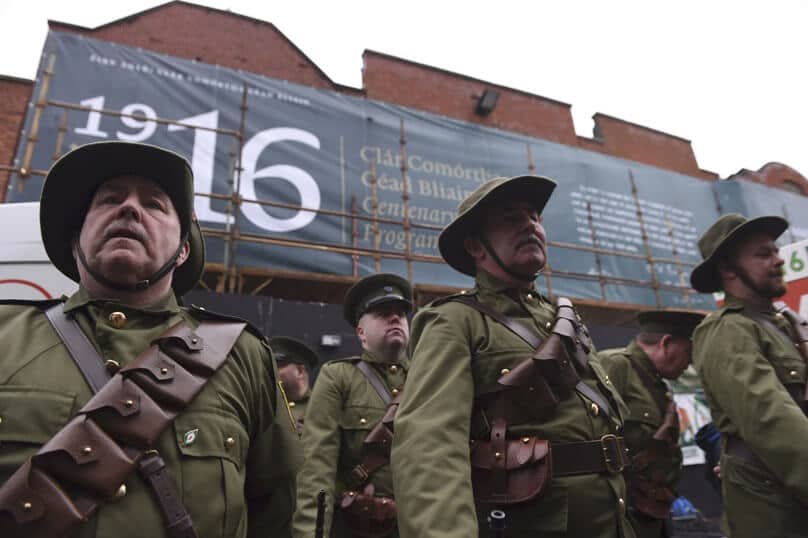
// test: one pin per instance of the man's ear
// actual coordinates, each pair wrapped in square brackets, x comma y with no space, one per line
[474,247]
[184,253]
[726,269]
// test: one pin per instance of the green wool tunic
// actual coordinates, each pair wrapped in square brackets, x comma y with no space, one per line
[744,366]
[457,353]
[342,410]
[643,420]
[227,453]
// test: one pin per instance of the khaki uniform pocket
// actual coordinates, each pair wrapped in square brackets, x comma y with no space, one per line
[29,417]
[213,449]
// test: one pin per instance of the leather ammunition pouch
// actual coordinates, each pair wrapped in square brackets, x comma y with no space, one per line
[509,471]
[649,493]
[651,500]
[365,515]
[88,459]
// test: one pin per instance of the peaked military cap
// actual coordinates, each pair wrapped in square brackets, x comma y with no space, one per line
[534,189]
[288,349]
[375,290]
[674,322]
[724,233]
[71,184]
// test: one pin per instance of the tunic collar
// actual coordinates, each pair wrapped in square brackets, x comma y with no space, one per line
[370,357]
[166,305]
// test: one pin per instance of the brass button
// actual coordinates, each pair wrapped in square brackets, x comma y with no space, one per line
[291,404]
[621,504]
[393,368]
[462,292]
[230,441]
[526,440]
[87,450]
[164,371]
[497,455]
[645,415]
[121,492]
[117,319]
[779,315]
[504,371]
[1,420]
[351,494]
[595,409]
[27,506]
[112,366]
[128,403]
[529,296]
[384,501]
[395,392]
[548,325]
[363,421]
[792,373]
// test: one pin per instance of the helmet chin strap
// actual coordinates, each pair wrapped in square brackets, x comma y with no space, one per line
[519,276]
[137,286]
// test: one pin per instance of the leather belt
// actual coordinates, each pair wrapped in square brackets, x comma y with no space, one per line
[605,455]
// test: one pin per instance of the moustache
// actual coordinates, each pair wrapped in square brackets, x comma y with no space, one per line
[530,241]
[122,231]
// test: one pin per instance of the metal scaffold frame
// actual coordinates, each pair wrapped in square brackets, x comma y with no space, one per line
[228,277]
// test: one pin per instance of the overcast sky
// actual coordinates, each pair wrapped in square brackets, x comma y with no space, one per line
[728,75]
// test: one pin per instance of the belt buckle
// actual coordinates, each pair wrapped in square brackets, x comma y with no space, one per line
[612,466]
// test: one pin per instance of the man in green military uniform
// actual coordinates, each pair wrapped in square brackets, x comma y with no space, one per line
[660,351]
[754,379]
[482,404]
[295,362]
[117,217]
[345,444]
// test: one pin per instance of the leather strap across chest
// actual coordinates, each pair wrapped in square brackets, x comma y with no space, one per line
[534,341]
[61,486]
[375,381]
[661,400]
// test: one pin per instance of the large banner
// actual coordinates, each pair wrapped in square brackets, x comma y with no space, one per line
[320,150]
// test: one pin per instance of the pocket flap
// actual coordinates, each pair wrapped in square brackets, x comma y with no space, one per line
[38,420]
[207,435]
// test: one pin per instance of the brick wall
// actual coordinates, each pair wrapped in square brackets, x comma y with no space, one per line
[777,175]
[449,94]
[211,36]
[14,95]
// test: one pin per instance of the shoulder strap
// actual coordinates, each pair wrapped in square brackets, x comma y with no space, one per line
[649,383]
[79,347]
[761,319]
[533,340]
[375,381]
[514,326]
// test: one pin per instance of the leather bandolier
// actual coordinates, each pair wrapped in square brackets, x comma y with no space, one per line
[365,514]
[649,492]
[509,471]
[87,461]
[798,337]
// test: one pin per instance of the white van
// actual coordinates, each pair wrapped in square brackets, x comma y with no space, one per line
[25,271]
